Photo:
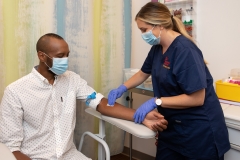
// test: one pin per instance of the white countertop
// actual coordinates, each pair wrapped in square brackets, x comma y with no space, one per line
[231,113]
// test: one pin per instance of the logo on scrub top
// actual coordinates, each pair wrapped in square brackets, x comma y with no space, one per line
[166,63]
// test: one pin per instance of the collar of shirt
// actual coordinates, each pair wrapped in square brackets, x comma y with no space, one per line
[43,79]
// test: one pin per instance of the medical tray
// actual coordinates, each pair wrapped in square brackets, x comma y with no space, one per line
[228,91]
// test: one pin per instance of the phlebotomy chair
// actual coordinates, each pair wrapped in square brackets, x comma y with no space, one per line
[137,130]
[5,153]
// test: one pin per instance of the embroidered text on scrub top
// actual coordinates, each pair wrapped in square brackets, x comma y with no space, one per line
[166,63]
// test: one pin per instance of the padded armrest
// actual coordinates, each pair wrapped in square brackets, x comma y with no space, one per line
[138,130]
[94,112]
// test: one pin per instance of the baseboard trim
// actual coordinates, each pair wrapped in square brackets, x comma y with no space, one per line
[137,155]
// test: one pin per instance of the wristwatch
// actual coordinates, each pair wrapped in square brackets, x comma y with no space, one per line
[158,101]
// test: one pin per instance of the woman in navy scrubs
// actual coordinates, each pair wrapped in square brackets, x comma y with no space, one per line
[183,90]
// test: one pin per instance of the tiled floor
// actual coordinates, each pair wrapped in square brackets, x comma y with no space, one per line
[121,157]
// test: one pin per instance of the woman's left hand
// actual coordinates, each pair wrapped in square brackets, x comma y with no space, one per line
[144,109]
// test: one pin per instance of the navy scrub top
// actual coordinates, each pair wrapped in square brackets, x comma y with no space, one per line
[196,131]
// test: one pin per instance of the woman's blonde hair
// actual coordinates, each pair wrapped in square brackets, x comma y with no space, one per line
[156,13]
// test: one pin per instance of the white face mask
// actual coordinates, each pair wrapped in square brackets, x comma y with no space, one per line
[150,38]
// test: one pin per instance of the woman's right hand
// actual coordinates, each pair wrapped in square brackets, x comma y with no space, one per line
[115,94]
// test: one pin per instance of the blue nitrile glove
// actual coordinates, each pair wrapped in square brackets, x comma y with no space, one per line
[115,94]
[144,109]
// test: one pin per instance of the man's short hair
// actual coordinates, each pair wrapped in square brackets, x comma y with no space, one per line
[44,40]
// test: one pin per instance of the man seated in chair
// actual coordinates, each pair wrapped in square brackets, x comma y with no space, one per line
[37,112]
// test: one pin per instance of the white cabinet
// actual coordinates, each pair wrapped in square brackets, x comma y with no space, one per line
[178,2]
[232,119]
[232,154]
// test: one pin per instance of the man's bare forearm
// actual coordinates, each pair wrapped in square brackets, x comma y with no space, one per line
[153,119]
[20,156]
[117,111]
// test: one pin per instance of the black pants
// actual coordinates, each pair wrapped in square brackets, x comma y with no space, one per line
[164,153]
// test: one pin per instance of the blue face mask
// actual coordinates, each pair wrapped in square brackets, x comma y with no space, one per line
[150,38]
[59,66]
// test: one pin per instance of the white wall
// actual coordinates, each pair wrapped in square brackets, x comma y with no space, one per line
[140,48]
[218,35]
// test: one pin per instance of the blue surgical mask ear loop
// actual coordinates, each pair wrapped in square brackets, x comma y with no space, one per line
[159,32]
[48,57]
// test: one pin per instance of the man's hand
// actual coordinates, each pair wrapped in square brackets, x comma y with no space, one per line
[155,121]
[20,156]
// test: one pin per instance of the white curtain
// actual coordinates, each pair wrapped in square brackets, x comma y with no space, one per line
[94,30]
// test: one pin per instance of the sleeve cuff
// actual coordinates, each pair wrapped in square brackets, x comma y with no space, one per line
[94,102]
[13,149]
